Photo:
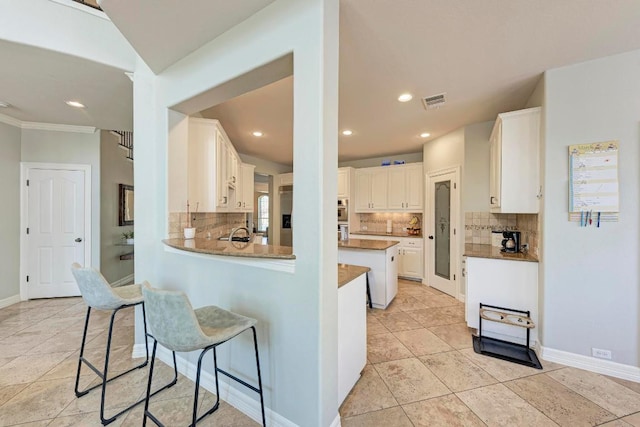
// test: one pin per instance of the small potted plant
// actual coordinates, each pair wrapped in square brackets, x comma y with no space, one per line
[128,237]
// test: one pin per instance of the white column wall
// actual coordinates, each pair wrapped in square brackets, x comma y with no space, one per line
[591,275]
[296,312]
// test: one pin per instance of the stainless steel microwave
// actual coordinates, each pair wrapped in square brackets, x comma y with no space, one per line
[343,210]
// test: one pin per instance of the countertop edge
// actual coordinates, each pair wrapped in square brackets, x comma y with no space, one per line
[492,252]
[167,242]
[350,272]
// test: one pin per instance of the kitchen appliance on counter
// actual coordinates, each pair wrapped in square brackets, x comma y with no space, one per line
[511,241]
[343,210]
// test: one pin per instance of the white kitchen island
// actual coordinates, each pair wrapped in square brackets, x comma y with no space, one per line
[381,256]
[352,326]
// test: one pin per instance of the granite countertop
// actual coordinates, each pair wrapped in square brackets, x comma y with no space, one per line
[382,233]
[378,245]
[348,272]
[493,252]
[226,248]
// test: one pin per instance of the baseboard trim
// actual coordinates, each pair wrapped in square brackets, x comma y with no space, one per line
[9,301]
[239,400]
[123,281]
[606,367]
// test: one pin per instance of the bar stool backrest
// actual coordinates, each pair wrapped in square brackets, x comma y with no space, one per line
[172,321]
[96,291]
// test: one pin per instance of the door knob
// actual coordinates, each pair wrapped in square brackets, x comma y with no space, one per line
[78,240]
[430,237]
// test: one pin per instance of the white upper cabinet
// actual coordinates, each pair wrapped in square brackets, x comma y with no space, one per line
[213,176]
[344,182]
[245,188]
[514,175]
[389,188]
[405,188]
[371,189]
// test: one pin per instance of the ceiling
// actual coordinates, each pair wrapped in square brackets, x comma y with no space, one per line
[487,56]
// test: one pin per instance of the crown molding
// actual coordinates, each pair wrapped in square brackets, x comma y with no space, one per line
[10,121]
[57,127]
[45,126]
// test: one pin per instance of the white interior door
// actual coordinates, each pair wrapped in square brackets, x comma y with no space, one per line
[442,229]
[56,231]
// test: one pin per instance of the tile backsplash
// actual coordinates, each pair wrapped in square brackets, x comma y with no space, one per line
[377,222]
[479,225]
[218,224]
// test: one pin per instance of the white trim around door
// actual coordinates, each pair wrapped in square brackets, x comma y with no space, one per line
[25,167]
[457,247]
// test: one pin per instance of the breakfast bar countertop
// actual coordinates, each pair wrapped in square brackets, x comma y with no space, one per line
[379,245]
[348,272]
[226,248]
[493,252]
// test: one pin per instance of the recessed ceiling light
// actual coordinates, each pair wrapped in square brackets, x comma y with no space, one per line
[257,133]
[347,132]
[405,97]
[425,135]
[75,104]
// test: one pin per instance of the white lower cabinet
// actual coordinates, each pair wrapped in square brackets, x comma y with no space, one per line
[352,334]
[502,283]
[411,258]
[410,254]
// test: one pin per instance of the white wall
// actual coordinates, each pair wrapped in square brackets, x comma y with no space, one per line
[69,147]
[444,152]
[591,277]
[296,312]
[475,197]
[115,169]
[10,218]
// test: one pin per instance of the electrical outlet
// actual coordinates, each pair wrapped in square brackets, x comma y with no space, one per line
[600,353]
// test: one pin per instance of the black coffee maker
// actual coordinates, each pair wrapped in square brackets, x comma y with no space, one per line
[511,241]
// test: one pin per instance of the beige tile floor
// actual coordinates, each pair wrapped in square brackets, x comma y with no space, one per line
[422,371]
[39,343]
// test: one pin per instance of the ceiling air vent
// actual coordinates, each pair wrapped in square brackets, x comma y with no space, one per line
[434,101]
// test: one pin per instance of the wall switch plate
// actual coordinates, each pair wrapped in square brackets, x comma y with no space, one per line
[600,353]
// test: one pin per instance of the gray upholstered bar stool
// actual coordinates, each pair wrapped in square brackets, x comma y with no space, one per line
[98,294]
[178,327]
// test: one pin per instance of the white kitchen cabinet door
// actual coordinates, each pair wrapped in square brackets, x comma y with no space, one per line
[379,189]
[247,187]
[363,191]
[344,183]
[222,164]
[414,184]
[206,189]
[514,179]
[398,186]
[412,263]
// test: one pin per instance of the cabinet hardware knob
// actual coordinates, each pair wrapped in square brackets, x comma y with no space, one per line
[78,240]
[430,237]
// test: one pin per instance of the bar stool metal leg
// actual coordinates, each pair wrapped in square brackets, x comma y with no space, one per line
[369,292]
[104,374]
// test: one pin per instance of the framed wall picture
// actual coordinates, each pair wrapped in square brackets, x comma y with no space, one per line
[125,216]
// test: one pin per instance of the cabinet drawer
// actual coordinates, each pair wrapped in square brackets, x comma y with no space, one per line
[414,243]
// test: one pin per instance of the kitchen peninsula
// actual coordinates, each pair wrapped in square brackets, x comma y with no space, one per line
[226,248]
[381,256]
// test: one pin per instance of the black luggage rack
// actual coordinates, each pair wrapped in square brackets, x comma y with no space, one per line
[505,350]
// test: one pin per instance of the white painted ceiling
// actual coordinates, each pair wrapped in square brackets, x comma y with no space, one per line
[486,55]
